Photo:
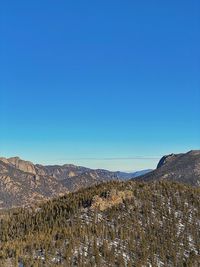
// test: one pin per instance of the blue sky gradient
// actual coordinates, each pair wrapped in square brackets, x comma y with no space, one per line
[84,81]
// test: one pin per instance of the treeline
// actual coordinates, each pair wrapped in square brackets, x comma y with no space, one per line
[157,226]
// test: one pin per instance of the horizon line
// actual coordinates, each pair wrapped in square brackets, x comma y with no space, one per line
[113,158]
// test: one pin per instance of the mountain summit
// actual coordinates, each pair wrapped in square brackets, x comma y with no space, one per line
[184,168]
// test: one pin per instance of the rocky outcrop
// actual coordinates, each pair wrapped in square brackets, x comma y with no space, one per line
[22,165]
[184,168]
[166,159]
[113,198]
[22,188]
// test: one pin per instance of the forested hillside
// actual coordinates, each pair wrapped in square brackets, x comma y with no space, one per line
[112,224]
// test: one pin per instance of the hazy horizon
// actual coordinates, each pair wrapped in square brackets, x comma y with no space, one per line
[112,163]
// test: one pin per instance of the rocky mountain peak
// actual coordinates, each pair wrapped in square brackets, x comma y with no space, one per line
[22,165]
[184,168]
[166,159]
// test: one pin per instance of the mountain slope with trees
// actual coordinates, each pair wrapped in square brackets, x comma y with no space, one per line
[111,224]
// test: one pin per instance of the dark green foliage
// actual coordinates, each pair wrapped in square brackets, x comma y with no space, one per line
[158,225]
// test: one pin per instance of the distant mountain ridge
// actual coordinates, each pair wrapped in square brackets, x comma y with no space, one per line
[184,168]
[22,182]
[129,175]
[118,223]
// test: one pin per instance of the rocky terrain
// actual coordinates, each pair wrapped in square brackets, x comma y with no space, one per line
[21,188]
[153,220]
[23,183]
[184,168]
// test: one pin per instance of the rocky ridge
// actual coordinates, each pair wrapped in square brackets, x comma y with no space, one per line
[23,183]
[184,168]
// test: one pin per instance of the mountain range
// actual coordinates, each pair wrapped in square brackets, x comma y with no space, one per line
[151,220]
[23,183]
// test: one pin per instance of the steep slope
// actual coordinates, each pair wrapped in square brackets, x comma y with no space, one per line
[20,188]
[184,168]
[23,183]
[20,164]
[112,224]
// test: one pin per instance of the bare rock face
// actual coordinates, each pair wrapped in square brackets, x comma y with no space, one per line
[4,160]
[20,186]
[113,198]
[22,165]
[184,168]
[166,159]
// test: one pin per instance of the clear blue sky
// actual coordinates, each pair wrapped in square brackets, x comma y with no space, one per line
[87,81]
